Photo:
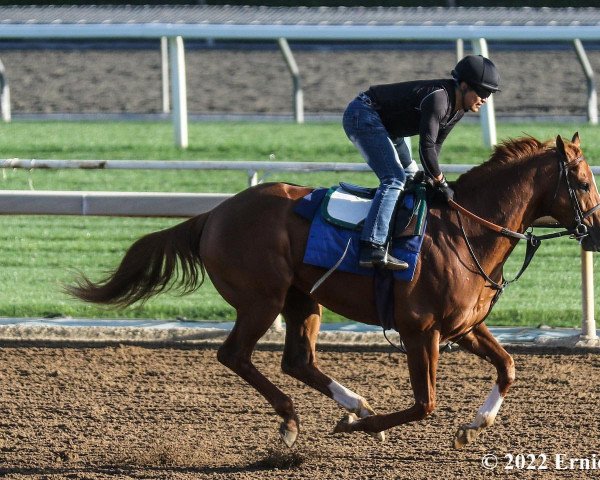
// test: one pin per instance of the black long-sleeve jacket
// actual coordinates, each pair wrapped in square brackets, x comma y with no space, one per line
[423,107]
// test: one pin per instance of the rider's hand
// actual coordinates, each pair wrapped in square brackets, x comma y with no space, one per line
[444,190]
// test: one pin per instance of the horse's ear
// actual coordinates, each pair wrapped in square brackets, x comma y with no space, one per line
[575,139]
[560,146]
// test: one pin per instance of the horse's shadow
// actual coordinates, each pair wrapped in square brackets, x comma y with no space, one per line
[271,461]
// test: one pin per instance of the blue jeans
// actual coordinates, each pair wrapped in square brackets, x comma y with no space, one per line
[390,162]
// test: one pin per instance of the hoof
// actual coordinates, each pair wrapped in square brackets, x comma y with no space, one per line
[343,425]
[465,435]
[379,436]
[288,432]
[367,411]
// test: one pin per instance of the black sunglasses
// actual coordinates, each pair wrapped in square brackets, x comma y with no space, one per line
[481,92]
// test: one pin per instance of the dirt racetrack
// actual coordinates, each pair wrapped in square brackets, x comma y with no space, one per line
[157,413]
[229,81]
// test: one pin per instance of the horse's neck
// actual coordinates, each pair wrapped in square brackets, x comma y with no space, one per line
[511,198]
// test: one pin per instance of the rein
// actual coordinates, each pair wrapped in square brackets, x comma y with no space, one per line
[533,241]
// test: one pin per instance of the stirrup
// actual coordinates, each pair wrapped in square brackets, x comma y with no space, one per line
[377,256]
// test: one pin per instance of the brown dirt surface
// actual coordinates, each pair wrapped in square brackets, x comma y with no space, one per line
[176,413]
[228,81]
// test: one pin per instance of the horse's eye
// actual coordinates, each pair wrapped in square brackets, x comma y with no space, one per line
[584,186]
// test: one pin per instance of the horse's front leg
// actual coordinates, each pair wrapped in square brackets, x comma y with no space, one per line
[422,359]
[482,343]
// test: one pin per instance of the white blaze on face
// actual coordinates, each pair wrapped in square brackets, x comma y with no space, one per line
[348,399]
[487,413]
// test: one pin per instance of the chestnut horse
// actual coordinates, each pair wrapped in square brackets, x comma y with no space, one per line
[252,246]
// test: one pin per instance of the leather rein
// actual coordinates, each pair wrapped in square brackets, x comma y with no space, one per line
[533,241]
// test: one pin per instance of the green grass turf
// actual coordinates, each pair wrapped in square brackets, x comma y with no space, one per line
[41,252]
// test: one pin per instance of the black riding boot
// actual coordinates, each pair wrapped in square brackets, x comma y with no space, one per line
[372,255]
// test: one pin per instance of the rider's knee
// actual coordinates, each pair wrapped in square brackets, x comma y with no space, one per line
[393,182]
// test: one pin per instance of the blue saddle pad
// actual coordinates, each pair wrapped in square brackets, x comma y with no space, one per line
[326,242]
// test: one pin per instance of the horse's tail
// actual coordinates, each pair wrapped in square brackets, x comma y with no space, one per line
[148,266]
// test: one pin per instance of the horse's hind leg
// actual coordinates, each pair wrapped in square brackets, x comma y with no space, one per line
[482,343]
[235,353]
[303,318]
[422,358]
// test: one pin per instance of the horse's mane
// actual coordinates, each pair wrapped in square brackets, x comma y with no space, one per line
[507,153]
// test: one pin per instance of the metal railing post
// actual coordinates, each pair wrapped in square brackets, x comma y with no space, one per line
[592,100]
[460,49]
[295,72]
[179,91]
[487,114]
[4,95]
[252,178]
[164,59]
[588,322]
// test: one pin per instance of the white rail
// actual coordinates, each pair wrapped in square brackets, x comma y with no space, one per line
[252,168]
[103,23]
[111,204]
[186,205]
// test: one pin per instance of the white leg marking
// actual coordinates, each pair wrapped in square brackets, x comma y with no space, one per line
[488,411]
[348,399]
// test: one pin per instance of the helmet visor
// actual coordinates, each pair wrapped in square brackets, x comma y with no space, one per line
[481,92]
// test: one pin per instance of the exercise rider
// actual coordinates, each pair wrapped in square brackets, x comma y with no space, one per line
[378,120]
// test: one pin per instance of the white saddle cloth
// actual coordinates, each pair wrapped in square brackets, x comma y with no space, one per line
[346,209]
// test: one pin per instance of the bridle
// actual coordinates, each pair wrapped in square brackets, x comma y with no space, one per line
[581,229]
[533,241]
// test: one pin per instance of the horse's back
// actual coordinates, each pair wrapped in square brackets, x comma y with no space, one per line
[256,221]
[262,207]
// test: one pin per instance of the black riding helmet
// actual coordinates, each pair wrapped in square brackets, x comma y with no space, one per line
[479,73]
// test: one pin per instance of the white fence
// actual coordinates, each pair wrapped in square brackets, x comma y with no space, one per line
[174,24]
[144,204]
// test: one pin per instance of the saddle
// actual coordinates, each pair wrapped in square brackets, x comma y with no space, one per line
[347,206]
[337,216]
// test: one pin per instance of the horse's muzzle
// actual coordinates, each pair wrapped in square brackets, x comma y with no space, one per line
[591,242]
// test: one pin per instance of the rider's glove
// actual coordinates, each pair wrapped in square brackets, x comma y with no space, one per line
[444,190]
